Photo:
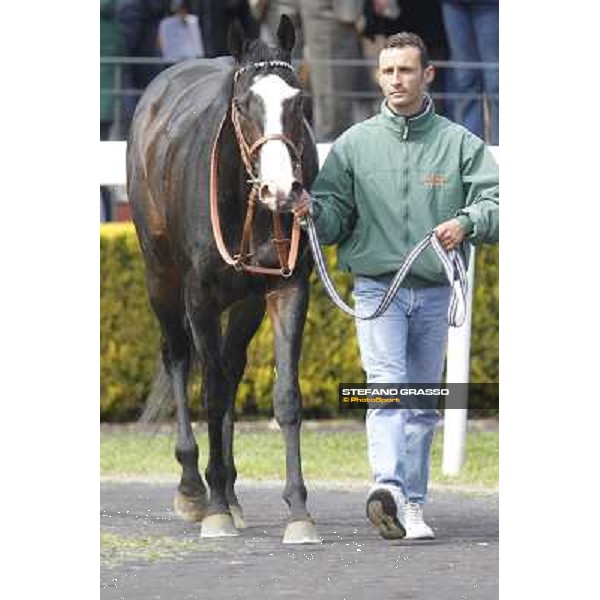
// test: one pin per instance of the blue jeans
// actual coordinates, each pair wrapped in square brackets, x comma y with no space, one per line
[407,344]
[472,31]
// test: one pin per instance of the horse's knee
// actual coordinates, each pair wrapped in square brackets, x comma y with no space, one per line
[216,408]
[287,410]
[287,402]
[216,391]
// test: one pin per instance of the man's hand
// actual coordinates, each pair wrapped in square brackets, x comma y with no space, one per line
[380,6]
[450,234]
[304,205]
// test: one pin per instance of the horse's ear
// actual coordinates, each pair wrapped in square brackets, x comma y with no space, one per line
[286,34]
[236,40]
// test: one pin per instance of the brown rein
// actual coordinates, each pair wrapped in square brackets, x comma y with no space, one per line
[287,250]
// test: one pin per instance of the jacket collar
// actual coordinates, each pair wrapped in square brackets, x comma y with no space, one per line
[415,124]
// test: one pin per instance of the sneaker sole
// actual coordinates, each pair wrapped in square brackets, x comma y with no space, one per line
[420,537]
[382,512]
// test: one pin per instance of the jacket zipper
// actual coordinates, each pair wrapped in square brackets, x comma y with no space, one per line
[406,173]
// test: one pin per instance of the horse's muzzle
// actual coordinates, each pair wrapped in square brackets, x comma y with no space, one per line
[279,201]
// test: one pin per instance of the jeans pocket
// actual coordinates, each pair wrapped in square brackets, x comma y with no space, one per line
[365,287]
[368,294]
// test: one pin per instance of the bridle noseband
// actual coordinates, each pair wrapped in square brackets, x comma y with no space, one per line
[287,250]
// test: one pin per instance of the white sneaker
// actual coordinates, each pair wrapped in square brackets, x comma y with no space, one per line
[416,528]
[385,510]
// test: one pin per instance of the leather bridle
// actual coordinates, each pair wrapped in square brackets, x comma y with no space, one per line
[286,248]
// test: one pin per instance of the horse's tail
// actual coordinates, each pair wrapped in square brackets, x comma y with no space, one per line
[160,403]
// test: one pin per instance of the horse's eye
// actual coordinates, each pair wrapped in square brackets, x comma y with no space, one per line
[242,103]
[298,101]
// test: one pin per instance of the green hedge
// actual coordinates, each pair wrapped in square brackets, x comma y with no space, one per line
[129,334]
[129,337]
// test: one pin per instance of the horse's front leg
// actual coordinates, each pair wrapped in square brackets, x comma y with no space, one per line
[287,308]
[206,332]
[244,320]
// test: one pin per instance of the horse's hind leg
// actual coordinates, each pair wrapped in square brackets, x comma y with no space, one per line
[244,319]
[190,498]
[164,285]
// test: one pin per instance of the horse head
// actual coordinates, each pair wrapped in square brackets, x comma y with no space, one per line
[268,115]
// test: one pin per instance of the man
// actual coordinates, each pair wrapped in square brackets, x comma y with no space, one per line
[179,35]
[386,182]
[139,21]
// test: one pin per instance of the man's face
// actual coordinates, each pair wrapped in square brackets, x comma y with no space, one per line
[402,79]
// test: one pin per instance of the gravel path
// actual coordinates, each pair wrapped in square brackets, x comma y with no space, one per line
[148,553]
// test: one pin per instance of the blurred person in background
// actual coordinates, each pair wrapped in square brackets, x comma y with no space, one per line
[380,19]
[268,12]
[179,36]
[139,20]
[111,44]
[424,17]
[215,18]
[267,15]
[472,30]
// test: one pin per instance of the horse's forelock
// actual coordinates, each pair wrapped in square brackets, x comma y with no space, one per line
[259,52]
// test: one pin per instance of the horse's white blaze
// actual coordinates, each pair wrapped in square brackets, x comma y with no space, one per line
[275,163]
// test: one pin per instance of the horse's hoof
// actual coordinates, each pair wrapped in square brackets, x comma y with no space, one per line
[190,508]
[219,525]
[301,532]
[238,517]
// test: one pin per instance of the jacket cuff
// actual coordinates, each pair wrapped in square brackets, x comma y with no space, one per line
[316,210]
[465,224]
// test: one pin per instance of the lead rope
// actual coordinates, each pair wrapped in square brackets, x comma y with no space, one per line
[452,262]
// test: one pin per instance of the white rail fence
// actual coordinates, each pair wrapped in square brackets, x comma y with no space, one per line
[112,172]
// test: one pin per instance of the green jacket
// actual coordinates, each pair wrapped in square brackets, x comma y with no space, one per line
[389,180]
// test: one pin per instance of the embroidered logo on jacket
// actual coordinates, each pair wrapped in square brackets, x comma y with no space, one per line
[434,179]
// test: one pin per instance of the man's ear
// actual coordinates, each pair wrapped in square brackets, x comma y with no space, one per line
[286,34]
[378,76]
[429,74]
[236,40]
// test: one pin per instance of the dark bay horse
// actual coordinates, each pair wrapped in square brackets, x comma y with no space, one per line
[185,124]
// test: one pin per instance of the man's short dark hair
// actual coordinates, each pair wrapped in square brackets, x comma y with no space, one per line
[404,39]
